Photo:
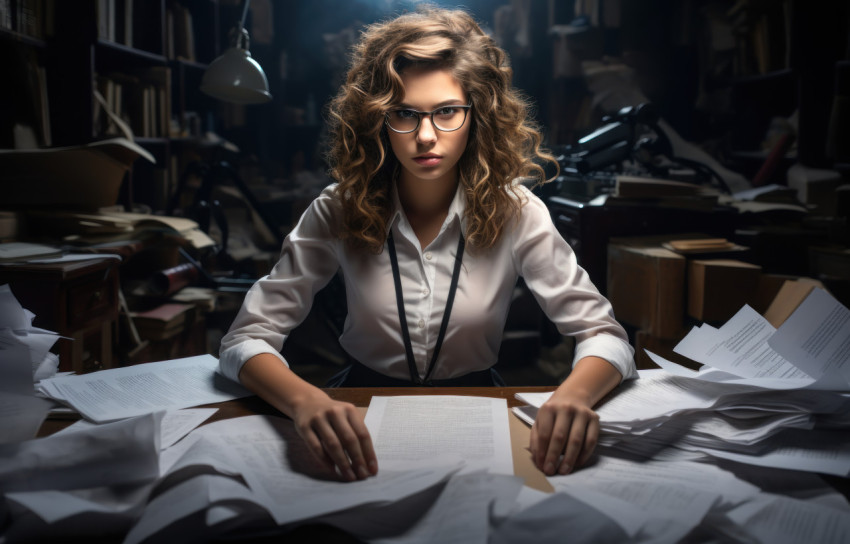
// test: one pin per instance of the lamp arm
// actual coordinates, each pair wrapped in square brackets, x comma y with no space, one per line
[244,15]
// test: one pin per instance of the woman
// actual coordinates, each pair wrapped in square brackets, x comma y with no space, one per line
[431,230]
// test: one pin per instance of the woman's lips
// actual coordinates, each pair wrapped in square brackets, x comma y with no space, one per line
[427,160]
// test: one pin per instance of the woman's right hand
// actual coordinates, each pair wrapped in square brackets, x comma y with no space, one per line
[336,434]
[334,431]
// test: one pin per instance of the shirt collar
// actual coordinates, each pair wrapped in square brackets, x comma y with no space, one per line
[456,209]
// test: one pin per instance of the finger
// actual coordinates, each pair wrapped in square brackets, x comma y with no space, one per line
[591,439]
[314,444]
[560,431]
[342,420]
[366,446]
[541,432]
[333,448]
[574,443]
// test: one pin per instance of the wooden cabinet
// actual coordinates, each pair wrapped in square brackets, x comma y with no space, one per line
[78,300]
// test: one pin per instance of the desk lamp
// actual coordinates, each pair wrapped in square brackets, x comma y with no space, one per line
[235,76]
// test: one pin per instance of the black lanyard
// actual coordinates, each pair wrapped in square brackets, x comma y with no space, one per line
[405,333]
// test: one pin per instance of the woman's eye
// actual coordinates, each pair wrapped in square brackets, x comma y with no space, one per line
[405,114]
[448,111]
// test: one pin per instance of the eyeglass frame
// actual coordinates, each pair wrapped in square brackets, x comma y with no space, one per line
[430,114]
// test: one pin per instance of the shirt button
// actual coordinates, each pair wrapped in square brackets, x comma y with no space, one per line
[425,291]
[421,323]
[428,255]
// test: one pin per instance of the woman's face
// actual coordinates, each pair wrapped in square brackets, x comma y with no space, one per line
[429,154]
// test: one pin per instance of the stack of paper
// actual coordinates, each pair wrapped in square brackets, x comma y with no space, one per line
[676,417]
[764,396]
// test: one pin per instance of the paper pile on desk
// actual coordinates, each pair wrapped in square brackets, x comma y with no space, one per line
[252,473]
[764,397]
[135,390]
[683,501]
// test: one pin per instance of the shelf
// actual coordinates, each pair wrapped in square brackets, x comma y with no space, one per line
[122,53]
[23,39]
[152,142]
[183,63]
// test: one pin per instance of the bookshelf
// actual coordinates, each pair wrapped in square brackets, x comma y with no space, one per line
[94,69]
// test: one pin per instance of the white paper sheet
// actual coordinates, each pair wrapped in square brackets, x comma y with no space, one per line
[461,513]
[557,519]
[812,451]
[286,478]
[430,430]
[134,390]
[121,452]
[175,424]
[816,337]
[781,520]
[712,374]
[178,502]
[12,314]
[21,416]
[700,476]
[661,501]
[741,347]
[15,330]
[52,506]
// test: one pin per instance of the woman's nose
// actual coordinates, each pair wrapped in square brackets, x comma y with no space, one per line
[427,132]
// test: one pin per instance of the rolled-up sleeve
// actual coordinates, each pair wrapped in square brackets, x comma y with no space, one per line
[280,301]
[564,290]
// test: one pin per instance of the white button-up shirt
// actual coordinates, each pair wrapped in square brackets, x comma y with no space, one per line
[531,248]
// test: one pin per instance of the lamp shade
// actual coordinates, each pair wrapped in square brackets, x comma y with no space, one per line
[236,77]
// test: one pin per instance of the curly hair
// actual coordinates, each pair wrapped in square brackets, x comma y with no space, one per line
[504,143]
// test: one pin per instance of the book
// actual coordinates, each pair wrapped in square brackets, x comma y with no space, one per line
[25,251]
[644,187]
[163,321]
[109,226]
[702,245]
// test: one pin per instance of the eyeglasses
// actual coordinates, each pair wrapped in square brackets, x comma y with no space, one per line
[444,119]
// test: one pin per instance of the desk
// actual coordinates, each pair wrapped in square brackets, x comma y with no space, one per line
[360,397]
[258,530]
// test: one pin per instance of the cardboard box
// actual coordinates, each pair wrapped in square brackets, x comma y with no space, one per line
[718,288]
[646,287]
[767,288]
[791,295]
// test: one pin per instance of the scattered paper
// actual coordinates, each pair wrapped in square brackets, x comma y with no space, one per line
[175,424]
[117,393]
[121,452]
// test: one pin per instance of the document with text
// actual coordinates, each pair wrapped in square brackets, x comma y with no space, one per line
[415,431]
[130,391]
[816,337]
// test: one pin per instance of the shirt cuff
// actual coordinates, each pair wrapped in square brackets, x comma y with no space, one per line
[231,360]
[614,350]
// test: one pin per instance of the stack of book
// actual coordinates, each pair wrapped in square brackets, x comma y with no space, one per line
[636,190]
[163,322]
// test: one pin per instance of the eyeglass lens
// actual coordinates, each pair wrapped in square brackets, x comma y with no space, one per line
[447,118]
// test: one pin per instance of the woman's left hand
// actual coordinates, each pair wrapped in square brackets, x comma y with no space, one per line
[564,433]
